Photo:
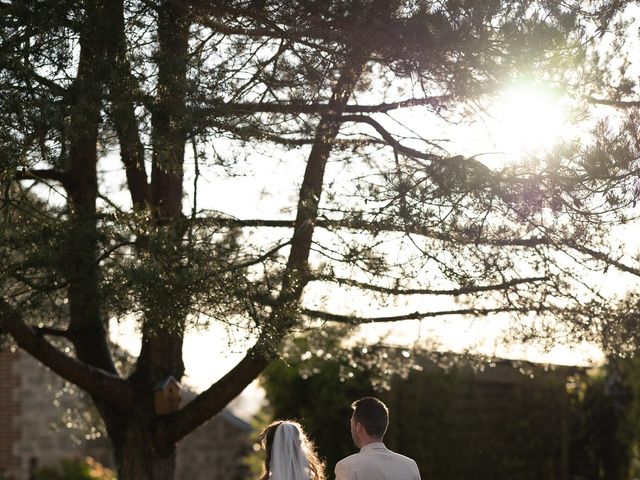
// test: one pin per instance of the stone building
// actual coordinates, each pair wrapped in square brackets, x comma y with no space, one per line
[43,420]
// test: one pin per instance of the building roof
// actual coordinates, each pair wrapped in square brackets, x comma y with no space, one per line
[227,415]
[162,384]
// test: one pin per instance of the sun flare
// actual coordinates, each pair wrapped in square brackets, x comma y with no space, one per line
[527,119]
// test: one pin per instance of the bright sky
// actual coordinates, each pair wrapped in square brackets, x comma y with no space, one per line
[527,119]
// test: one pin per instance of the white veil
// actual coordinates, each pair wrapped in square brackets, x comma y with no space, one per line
[288,459]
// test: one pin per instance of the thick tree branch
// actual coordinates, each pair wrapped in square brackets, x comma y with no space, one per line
[425,291]
[293,108]
[257,133]
[435,102]
[280,320]
[175,427]
[387,137]
[378,227]
[42,174]
[54,332]
[362,225]
[614,103]
[358,320]
[162,332]
[606,259]
[122,87]
[102,385]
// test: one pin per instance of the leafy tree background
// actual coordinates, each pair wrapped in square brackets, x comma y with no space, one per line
[535,423]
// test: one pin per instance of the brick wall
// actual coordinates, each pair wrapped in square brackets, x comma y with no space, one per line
[9,412]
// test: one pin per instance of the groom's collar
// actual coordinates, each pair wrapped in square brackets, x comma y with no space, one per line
[373,446]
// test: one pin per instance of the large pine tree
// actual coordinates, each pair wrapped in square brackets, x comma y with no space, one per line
[176,88]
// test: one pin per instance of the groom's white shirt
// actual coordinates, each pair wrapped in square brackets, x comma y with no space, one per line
[377,462]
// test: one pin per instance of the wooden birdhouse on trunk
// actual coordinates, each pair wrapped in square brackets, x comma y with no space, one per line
[167,396]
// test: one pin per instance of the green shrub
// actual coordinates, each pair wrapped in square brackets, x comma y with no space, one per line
[75,469]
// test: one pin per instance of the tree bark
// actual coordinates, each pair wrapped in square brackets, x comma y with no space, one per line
[161,353]
[137,453]
[86,326]
[168,119]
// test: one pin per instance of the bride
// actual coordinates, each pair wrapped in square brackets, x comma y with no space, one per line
[290,455]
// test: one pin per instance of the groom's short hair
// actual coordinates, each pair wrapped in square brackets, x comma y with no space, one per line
[372,414]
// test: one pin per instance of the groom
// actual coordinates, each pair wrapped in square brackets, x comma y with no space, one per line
[374,462]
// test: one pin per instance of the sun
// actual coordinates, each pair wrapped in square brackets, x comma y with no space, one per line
[528,119]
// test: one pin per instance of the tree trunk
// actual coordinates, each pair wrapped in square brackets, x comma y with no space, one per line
[133,435]
[163,331]
[137,454]
[86,325]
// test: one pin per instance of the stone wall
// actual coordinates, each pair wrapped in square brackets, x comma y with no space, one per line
[44,419]
[43,400]
[213,451]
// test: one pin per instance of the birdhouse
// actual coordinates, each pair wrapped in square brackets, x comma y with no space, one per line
[167,396]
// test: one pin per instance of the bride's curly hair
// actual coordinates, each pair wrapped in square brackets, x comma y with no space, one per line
[316,466]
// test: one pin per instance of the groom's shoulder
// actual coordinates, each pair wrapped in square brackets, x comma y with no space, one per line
[367,456]
[399,456]
[350,459]
[404,464]
[365,461]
